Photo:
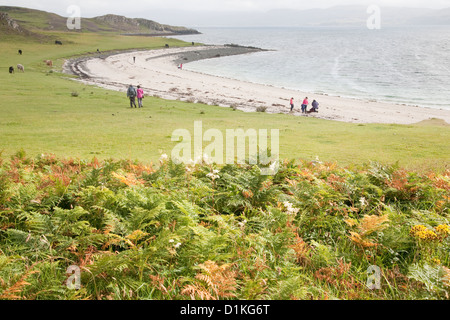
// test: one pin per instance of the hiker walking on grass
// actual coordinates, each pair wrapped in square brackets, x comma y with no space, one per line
[140,96]
[305,105]
[131,94]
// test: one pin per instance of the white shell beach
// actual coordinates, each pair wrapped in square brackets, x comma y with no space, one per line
[158,74]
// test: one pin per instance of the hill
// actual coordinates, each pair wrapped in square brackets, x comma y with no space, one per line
[440,17]
[115,23]
[352,16]
[10,26]
[39,21]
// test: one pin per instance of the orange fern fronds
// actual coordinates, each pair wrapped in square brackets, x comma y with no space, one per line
[446,277]
[260,264]
[12,293]
[358,239]
[214,282]
[336,182]
[442,183]
[86,257]
[302,250]
[197,291]
[247,194]
[399,180]
[158,282]
[266,185]
[307,174]
[115,240]
[338,276]
[136,236]
[139,169]
[129,179]
[367,226]
[292,183]
[95,163]
[373,223]
[351,222]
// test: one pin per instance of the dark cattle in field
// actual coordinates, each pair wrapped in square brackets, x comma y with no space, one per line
[167,45]
[20,52]
[11,69]
[49,62]
[58,42]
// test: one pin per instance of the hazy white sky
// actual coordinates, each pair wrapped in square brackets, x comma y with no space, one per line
[133,8]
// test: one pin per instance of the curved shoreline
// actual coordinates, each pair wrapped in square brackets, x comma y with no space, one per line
[157,72]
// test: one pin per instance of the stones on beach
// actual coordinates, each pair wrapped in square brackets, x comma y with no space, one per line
[261,109]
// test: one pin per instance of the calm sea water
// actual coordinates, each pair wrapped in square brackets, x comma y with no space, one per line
[405,65]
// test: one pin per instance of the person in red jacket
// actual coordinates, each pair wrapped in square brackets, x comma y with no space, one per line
[292,104]
[305,105]
[140,95]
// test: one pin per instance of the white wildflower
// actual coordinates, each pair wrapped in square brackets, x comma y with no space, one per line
[290,209]
[177,245]
[163,157]
[171,241]
[317,161]
[242,224]
[212,176]
[363,201]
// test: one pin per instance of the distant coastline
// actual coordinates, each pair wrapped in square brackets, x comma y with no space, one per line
[168,34]
[74,65]
[157,34]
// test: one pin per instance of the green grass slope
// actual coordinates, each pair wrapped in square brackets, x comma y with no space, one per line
[40,115]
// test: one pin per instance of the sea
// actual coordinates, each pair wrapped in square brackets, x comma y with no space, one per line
[403,65]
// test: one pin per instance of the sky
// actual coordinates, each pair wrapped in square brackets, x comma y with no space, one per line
[91,8]
[161,10]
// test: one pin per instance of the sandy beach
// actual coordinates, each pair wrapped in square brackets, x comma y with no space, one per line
[158,73]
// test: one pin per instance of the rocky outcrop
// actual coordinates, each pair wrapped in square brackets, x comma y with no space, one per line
[140,26]
[118,22]
[9,25]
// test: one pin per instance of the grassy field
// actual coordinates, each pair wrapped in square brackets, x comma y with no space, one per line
[39,114]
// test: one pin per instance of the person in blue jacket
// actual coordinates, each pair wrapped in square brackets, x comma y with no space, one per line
[131,94]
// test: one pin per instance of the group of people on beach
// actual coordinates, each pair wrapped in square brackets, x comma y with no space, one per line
[133,93]
[305,103]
